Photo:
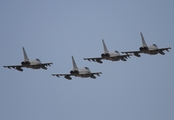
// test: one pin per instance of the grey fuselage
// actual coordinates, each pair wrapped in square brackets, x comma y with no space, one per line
[113,56]
[148,49]
[82,72]
[34,64]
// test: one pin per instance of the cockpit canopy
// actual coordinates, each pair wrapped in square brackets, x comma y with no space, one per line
[38,60]
[116,51]
[87,68]
[155,45]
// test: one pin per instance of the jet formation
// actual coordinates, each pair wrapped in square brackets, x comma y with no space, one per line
[85,72]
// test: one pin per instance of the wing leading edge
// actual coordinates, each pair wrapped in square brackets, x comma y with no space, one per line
[97,59]
[16,67]
[136,53]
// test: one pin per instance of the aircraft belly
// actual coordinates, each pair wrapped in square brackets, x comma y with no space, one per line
[154,52]
[83,75]
[113,59]
[38,66]
[34,67]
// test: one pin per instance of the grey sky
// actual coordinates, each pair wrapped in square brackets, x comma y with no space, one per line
[53,31]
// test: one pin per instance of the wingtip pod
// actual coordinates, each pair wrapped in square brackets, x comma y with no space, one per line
[50,64]
[98,74]
[168,49]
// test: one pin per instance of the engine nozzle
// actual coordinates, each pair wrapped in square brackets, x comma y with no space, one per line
[105,55]
[25,63]
[143,48]
[74,72]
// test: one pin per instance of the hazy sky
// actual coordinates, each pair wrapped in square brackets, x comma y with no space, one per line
[139,89]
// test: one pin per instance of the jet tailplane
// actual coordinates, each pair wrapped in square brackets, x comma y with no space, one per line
[74,64]
[143,40]
[25,55]
[104,46]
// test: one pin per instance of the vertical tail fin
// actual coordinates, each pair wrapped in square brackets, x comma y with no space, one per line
[143,40]
[74,63]
[104,46]
[25,55]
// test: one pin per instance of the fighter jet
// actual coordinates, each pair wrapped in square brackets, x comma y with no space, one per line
[84,72]
[148,49]
[34,64]
[113,56]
